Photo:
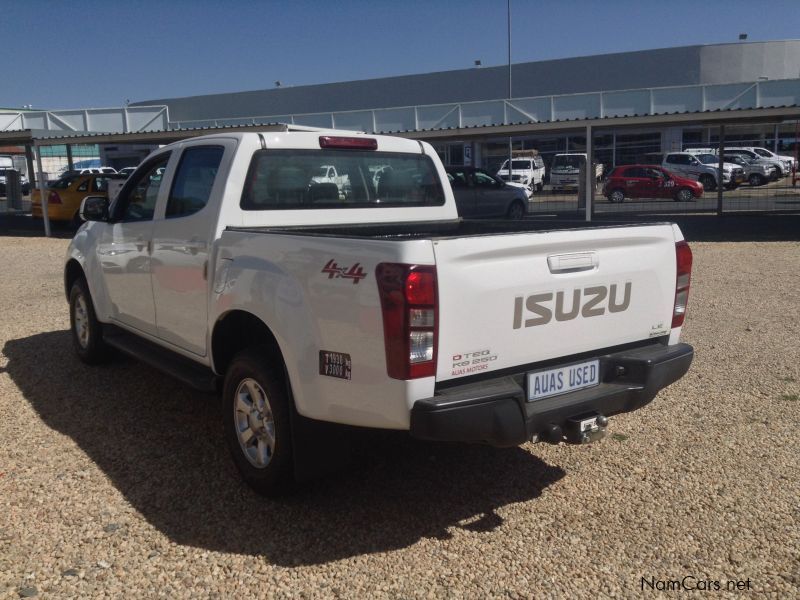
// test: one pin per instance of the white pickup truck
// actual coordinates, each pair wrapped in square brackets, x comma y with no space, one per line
[223,262]
[565,171]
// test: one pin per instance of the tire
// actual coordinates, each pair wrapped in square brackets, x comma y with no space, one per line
[540,186]
[516,211]
[86,330]
[778,173]
[709,183]
[756,179]
[617,195]
[684,195]
[256,420]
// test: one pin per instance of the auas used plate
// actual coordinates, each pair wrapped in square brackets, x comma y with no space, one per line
[560,380]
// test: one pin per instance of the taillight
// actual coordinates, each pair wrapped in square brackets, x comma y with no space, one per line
[409,303]
[683,258]
[53,198]
[350,143]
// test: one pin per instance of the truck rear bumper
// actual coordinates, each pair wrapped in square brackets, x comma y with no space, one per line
[496,411]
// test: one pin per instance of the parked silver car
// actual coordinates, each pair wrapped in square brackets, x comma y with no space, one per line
[479,194]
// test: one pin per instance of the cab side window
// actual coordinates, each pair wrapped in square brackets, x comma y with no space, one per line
[138,199]
[193,181]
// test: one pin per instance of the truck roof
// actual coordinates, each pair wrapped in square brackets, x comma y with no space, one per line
[310,139]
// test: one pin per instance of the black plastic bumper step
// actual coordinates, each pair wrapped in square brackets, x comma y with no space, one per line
[187,371]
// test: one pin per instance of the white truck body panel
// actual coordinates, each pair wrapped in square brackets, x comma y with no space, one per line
[279,278]
[482,279]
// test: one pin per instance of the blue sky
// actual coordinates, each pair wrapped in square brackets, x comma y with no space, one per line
[80,54]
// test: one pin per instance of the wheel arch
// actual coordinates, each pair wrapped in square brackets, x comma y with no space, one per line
[515,202]
[237,330]
[72,272]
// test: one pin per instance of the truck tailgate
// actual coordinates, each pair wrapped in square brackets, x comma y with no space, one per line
[510,300]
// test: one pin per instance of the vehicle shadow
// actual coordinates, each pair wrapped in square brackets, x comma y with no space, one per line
[161,446]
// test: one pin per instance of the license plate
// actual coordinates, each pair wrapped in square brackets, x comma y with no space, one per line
[335,364]
[560,380]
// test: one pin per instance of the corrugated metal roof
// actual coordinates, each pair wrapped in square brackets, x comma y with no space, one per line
[653,120]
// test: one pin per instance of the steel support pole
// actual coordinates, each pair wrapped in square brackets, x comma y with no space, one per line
[589,190]
[29,161]
[70,162]
[508,119]
[42,190]
[721,154]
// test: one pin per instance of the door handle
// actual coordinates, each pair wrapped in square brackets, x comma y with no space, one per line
[573,263]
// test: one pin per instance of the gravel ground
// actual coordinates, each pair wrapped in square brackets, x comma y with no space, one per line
[115,482]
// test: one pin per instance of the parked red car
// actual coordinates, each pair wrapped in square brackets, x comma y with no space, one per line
[649,181]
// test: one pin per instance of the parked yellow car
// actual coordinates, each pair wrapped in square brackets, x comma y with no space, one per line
[65,195]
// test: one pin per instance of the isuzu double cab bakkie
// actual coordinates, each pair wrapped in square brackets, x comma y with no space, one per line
[225,262]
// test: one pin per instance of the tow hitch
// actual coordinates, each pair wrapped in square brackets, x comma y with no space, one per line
[582,429]
[585,429]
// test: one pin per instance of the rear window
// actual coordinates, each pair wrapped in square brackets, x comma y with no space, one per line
[518,165]
[62,183]
[297,179]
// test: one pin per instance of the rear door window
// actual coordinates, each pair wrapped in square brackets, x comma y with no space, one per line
[194,178]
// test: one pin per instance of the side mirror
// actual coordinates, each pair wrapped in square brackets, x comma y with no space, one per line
[94,208]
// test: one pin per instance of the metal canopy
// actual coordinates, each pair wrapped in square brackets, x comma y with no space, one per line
[46,138]
[713,118]
[718,117]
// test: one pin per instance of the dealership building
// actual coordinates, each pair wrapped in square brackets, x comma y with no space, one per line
[456,110]
[628,107]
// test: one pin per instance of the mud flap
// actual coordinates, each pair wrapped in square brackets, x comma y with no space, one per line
[318,448]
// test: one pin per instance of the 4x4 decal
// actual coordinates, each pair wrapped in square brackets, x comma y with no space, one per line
[356,273]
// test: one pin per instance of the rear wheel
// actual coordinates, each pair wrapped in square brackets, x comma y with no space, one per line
[684,195]
[616,195]
[516,211]
[756,179]
[709,183]
[87,331]
[256,408]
